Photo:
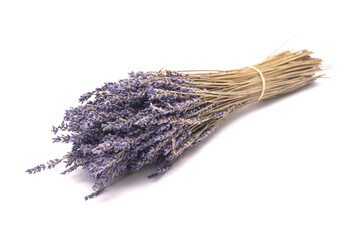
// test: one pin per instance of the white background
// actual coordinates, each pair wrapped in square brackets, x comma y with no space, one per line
[280,169]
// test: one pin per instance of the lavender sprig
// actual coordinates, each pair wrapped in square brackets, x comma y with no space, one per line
[124,126]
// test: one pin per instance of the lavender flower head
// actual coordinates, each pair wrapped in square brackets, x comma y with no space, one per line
[149,118]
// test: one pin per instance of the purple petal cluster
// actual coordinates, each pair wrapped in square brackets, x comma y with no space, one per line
[149,118]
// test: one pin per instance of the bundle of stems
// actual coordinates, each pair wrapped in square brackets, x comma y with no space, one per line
[153,118]
[275,76]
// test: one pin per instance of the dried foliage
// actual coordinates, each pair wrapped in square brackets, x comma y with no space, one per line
[153,118]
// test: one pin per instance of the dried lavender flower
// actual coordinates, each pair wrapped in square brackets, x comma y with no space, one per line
[152,118]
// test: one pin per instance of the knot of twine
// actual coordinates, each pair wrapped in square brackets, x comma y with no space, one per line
[263,81]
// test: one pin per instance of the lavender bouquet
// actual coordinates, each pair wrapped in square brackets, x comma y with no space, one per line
[153,118]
